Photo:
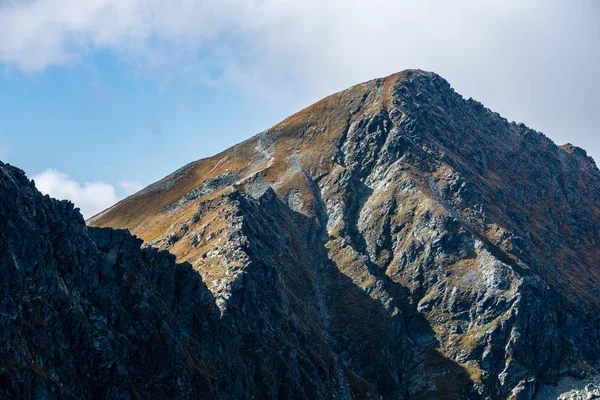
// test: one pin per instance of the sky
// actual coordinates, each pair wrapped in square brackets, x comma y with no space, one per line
[99,98]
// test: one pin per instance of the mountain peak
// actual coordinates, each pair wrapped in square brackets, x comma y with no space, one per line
[407,75]
[403,217]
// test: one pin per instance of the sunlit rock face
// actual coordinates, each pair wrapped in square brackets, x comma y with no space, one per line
[392,241]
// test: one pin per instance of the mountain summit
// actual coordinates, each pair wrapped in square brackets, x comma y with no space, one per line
[392,241]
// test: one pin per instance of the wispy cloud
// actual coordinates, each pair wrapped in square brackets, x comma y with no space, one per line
[90,197]
[268,46]
[508,54]
[262,44]
[131,187]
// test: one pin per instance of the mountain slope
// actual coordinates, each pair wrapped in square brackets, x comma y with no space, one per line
[477,237]
[394,240]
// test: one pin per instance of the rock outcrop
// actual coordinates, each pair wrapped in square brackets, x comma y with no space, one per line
[392,241]
[87,314]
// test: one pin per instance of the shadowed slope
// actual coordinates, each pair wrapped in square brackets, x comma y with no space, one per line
[87,314]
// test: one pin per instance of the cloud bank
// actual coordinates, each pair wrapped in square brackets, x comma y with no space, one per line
[534,61]
[262,43]
[90,197]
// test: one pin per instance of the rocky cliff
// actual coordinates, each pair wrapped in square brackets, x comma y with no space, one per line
[392,241]
[87,314]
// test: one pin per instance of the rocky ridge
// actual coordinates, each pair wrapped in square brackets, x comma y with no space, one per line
[85,312]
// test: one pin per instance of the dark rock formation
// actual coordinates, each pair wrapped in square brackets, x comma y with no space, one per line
[86,314]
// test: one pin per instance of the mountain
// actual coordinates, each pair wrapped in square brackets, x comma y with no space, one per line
[392,241]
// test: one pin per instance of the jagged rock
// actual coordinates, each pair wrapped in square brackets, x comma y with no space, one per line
[87,314]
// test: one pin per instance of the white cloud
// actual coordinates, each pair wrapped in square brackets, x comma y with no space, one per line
[317,46]
[91,197]
[242,39]
[524,58]
[131,187]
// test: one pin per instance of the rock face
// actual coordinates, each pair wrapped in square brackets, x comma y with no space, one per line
[392,241]
[87,314]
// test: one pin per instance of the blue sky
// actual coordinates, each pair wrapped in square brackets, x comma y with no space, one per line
[108,124]
[101,97]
